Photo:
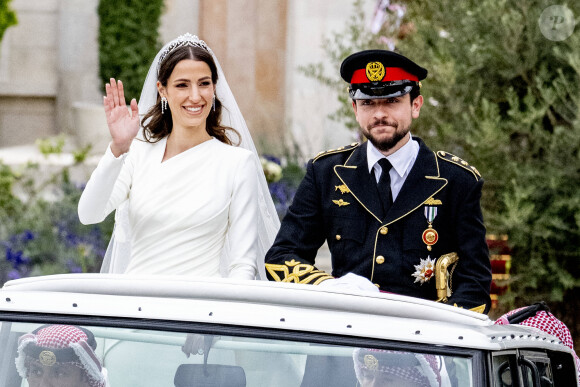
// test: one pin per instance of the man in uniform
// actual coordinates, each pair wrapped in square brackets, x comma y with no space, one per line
[60,356]
[392,211]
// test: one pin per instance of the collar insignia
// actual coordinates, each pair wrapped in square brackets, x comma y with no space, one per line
[432,202]
[343,188]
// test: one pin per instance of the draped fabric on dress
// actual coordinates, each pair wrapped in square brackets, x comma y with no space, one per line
[182,210]
[265,219]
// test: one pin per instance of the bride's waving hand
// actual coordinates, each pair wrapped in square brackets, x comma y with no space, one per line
[123,125]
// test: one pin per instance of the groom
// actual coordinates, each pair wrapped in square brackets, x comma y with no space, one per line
[388,208]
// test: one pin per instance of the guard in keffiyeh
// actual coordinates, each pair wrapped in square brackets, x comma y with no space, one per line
[376,367]
[539,316]
[60,355]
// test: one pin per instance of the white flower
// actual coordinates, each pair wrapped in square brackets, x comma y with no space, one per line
[272,170]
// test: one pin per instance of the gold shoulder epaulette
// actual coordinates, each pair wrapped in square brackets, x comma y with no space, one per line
[337,150]
[459,162]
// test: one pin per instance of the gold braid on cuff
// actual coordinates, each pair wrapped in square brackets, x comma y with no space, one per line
[294,271]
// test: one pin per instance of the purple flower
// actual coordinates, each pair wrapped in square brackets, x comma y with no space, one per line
[27,236]
[14,274]
[282,195]
[16,257]
[73,267]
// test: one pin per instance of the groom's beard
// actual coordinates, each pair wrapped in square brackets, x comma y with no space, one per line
[387,143]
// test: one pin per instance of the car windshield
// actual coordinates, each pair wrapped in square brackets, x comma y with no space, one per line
[230,356]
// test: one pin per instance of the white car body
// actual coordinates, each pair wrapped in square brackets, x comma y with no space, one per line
[270,330]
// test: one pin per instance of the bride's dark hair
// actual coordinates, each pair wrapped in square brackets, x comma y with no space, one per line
[157,125]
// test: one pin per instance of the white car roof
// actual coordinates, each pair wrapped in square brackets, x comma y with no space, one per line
[264,304]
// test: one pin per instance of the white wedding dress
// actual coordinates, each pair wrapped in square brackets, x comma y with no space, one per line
[205,212]
[182,210]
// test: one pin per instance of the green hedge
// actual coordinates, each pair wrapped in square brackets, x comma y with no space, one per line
[7,17]
[128,41]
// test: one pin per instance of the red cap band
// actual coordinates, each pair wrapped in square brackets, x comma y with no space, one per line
[391,74]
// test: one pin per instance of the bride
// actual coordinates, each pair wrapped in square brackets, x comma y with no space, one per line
[188,201]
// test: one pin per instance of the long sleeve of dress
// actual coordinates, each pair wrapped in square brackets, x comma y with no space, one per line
[243,230]
[108,187]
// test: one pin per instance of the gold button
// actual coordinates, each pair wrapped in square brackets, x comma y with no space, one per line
[384,230]
[380,259]
[338,237]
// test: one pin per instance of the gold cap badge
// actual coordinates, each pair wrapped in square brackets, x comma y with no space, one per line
[375,71]
[371,362]
[47,358]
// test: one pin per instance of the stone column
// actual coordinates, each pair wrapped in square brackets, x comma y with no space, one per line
[249,39]
[310,103]
[179,17]
[79,88]
[28,74]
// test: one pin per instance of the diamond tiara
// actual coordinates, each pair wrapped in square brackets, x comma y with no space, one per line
[183,40]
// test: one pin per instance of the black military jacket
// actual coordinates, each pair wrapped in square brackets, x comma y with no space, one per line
[338,201]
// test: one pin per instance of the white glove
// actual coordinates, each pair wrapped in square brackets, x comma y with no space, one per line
[193,344]
[350,282]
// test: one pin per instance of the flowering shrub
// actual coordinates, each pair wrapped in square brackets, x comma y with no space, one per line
[40,232]
[283,183]
[15,255]
[272,168]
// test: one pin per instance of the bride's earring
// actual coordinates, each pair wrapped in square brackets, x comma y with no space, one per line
[213,103]
[163,105]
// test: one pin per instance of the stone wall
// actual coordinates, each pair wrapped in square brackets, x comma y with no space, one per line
[309,104]
[28,73]
[49,80]
[249,39]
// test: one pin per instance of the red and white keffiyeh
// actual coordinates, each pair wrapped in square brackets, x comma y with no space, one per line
[547,322]
[63,344]
[423,370]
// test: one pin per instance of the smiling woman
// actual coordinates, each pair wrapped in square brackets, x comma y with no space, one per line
[187,201]
[189,92]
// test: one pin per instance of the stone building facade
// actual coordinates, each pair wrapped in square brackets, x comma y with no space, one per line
[49,67]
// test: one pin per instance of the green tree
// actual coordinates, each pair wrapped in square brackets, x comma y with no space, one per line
[7,17]
[506,98]
[128,41]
